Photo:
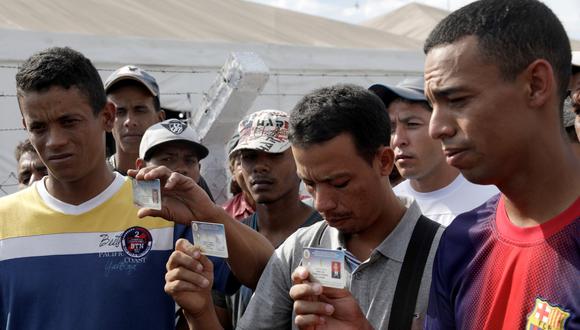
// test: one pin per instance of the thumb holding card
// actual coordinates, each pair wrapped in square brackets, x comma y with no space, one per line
[321,307]
[182,200]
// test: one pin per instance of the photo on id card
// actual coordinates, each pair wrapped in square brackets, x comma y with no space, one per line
[325,266]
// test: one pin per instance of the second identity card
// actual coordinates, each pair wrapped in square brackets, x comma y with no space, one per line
[211,237]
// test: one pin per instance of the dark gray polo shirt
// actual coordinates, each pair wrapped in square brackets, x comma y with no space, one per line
[373,283]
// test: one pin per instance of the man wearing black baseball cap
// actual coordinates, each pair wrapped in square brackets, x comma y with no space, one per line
[440,190]
[135,94]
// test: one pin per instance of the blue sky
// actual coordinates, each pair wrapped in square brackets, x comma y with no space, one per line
[355,11]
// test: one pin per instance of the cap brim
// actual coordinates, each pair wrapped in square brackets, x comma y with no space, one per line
[262,145]
[390,93]
[200,149]
[110,84]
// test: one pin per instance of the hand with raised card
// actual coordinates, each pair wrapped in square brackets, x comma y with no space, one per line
[318,307]
[182,200]
[188,281]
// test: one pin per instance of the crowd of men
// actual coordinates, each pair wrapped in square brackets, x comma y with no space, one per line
[481,233]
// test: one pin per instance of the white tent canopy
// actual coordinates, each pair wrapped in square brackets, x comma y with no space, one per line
[200,20]
[186,69]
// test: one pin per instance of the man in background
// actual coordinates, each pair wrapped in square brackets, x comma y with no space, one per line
[135,94]
[241,205]
[267,165]
[172,143]
[30,167]
[439,188]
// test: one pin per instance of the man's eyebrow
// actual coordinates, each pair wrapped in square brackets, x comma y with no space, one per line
[327,178]
[446,91]
[407,117]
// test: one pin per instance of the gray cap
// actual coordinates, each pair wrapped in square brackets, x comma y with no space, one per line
[412,89]
[168,131]
[132,72]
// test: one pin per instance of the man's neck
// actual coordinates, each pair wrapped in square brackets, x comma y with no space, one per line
[364,242]
[125,161]
[280,219]
[442,176]
[544,188]
[82,190]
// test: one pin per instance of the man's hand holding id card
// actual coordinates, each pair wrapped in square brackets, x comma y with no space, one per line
[147,193]
[325,266]
[211,237]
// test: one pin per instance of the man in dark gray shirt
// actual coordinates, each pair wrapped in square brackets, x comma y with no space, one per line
[340,141]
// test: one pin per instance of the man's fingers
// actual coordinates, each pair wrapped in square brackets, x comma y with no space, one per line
[305,307]
[205,262]
[175,287]
[300,274]
[132,173]
[334,293]
[305,291]
[179,259]
[183,274]
[145,212]
[308,321]
[177,179]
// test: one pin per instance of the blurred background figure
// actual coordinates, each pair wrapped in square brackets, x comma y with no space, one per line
[30,167]
[242,204]
[440,190]
[575,92]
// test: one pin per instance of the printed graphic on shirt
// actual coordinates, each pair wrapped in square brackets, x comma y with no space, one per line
[136,242]
[546,316]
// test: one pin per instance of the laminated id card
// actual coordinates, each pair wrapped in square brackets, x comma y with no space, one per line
[147,193]
[211,238]
[325,266]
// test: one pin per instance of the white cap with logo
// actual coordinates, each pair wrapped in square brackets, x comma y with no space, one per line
[167,131]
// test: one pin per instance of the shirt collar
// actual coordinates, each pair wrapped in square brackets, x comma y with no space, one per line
[394,246]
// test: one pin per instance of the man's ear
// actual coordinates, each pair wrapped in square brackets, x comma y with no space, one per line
[108,115]
[139,163]
[161,115]
[386,159]
[24,124]
[539,78]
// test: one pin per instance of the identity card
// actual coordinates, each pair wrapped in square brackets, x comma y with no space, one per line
[147,193]
[211,237]
[325,266]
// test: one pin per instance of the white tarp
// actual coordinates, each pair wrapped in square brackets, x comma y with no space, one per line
[185,70]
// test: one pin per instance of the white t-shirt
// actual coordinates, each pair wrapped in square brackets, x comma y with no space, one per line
[445,204]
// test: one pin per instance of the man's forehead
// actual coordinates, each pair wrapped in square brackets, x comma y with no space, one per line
[311,167]
[451,67]
[182,147]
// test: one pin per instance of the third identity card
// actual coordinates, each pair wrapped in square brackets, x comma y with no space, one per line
[211,237]
[325,266]
[147,193]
